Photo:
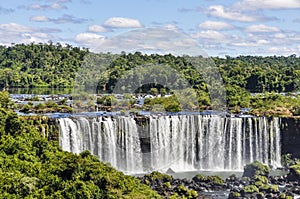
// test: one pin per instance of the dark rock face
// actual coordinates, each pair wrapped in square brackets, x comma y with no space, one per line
[258,186]
[255,183]
[170,171]
[290,133]
[167,186]
[293,175]
[256,168]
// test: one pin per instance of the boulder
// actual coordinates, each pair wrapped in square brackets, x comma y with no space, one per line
[170,171]
[256,168]
[294,174]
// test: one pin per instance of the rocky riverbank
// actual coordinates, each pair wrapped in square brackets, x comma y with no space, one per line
[255,183]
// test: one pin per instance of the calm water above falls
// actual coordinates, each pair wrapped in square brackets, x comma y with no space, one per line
[179,142]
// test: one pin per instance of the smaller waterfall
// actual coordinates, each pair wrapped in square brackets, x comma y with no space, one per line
[113,140]
[180,142]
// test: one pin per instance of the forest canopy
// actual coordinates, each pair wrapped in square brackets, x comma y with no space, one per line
[54,65]
[64,66]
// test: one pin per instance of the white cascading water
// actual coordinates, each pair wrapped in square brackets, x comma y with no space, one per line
[179,142]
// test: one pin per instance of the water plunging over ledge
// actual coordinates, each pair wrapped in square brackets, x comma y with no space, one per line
[135,144]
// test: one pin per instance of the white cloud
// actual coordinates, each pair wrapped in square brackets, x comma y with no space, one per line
[215,25]
[284,39]
[211,34]
[97,28]
[39,18]
[57,6]
[262,28]
[260,42]
[120,22]
[60,20]
[89,38]
[220,11]
[279,36]
[54,6]
[267,4]
[171,27]
[16,33]
[286,51]
[161,40]
[13,27]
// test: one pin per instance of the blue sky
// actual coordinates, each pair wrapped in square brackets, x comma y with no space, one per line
[218,28]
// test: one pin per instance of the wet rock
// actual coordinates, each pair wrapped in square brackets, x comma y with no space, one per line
[232,178]
[296,190]
[294,173]
[256,168]
[170,171]
[289,193]
[234,195]
[259,196]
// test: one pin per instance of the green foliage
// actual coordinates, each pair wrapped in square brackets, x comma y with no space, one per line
[33,98]
[286,160]
[169,104]
[234,195]
[200,178]
[39,65]
[258,184]
[47,107]
[54,66]
[168,185]
[273,188]
[256,168]
[107,100]
[261,74]
[269,188]
[33,167]
[216,180]
[237,96]
[261,178]
[294,173]
[160,176]
[296,168]
[282,196]
[181,190]
[5,100]
[250,189]
[26,108]
[154,91]
[272,104]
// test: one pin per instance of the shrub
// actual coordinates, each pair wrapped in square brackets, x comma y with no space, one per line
[263,179]
[250,189]
[216,180]
[160,176]
[256,168]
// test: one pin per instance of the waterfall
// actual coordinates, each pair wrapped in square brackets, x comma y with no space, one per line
[179,142]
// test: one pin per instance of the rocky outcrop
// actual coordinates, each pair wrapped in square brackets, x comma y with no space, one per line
[255,183]
[290,134]
[294,173]
[256,168]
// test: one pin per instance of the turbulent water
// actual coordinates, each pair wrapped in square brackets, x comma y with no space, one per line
[181,142]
